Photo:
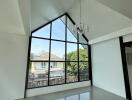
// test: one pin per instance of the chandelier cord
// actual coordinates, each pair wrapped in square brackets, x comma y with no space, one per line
[80,12]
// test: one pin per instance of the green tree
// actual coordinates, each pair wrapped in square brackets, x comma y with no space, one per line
[83,54]
[72,66]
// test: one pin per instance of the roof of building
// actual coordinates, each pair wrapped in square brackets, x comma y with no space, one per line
[45,56]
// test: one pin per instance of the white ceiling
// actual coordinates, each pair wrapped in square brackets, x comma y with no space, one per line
[122,6]
[101,18]
[43,11]
[10,17]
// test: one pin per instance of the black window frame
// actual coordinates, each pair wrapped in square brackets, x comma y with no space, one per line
[65,41]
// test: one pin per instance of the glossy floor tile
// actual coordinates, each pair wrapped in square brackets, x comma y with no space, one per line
[86,93]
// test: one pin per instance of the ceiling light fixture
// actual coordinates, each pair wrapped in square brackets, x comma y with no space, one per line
[81,28]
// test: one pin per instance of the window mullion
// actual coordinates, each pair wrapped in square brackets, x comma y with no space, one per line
[90,64]
[49,54]
[65,49]
[78,55]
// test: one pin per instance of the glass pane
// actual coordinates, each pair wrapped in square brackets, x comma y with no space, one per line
[82,39]
[72,72]
[63,19]
[58,30]
[43,32]
[38,74]
[57,73]
[72,52]
[71,37]
[57,51]
[83,52]
[39,49]
[83,71]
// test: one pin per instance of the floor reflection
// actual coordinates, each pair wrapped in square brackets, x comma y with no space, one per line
[86,93]
[81,96]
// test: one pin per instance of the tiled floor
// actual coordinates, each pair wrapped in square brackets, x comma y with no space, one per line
[86,93]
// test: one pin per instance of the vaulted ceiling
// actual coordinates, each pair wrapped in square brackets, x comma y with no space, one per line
[43,11]
[102,16]
[122,6]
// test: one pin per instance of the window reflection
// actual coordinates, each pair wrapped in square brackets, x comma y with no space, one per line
[38,74]
[58,30]
[57,73]
[85,96]
[61,99]
[81,96]
[73,97]
[43,32]
[83,71]
[72,72]
[39,49]
[57,51]
[81,39]
[83,52]
[71,34]
[71,37]
[72,52]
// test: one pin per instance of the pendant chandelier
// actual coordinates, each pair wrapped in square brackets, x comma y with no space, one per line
[81,28]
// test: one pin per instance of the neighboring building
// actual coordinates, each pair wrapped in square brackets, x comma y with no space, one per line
[41,68]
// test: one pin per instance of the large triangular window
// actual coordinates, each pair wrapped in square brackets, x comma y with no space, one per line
[58,55]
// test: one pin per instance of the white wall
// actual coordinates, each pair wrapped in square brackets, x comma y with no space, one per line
[13,59]
[107,67]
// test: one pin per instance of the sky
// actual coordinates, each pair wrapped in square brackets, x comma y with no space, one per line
[58,32]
